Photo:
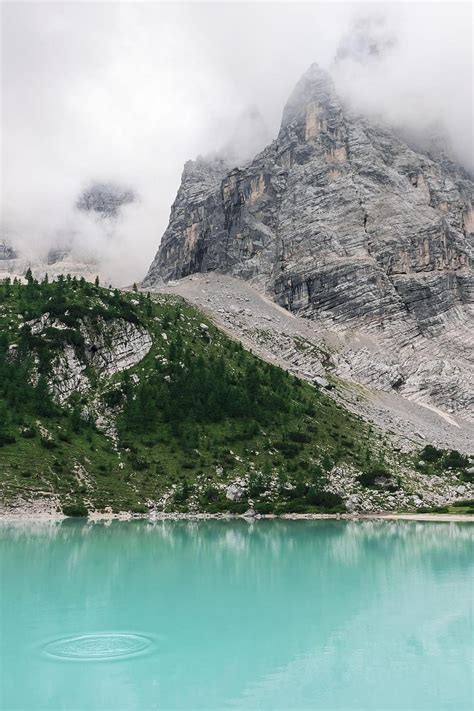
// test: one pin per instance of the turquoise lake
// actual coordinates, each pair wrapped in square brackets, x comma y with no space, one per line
[234,615]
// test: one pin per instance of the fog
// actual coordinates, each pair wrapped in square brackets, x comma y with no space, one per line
[127,92]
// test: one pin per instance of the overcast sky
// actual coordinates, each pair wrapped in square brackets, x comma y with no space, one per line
[129,91]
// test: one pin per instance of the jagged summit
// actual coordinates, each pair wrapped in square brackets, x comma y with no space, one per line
[315,88]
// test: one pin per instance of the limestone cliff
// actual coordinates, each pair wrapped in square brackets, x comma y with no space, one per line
[108,347]
[342,221]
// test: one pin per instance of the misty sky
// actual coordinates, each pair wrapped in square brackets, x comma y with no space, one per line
[129,91]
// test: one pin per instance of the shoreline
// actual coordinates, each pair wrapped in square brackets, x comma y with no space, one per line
[29,516]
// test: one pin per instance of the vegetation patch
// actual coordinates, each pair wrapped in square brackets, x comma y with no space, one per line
[76,509]
[379,477]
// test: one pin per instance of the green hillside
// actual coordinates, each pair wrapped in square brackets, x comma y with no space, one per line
[194,416]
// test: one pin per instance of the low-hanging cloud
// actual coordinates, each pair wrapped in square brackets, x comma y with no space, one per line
[127,92]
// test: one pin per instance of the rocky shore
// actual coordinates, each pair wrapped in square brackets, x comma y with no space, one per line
[36,514]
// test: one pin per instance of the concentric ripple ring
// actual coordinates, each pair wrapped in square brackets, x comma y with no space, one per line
[96,647]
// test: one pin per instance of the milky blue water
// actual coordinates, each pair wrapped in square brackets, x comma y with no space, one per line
[232,615]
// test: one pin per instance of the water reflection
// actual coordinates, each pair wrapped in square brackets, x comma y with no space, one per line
[269,614]
[168,527]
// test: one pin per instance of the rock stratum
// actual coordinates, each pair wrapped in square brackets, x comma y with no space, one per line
[341,221]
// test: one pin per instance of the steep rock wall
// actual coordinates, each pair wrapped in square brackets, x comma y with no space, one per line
[341,221]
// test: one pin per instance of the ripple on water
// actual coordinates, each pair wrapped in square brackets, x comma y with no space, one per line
[96,647]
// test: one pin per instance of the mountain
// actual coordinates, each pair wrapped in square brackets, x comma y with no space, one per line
[114,401]
[105,199]
[343,222]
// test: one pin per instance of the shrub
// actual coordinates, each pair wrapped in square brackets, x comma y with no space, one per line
[113,397]
[48,443]
[294,506]
[325,499]
[257,485]
[288,449]
[317,474]
[264,507]
[433,509]
[28,432]
[368,477]
[211,494]
[297,436]
[347,442]
[138,462]
[431,454]
[298,492]
[327,463]
[139,509]
[75,509]
[236,507]
[182,494]
[455,460]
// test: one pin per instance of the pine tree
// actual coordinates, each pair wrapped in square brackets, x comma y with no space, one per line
[149,305]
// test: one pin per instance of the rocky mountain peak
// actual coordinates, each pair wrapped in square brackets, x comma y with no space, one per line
[313,92]
[344,222]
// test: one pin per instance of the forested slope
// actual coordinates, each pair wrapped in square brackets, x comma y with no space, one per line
[112,399]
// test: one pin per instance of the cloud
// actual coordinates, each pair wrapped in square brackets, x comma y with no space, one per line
[127,92]
[419,76]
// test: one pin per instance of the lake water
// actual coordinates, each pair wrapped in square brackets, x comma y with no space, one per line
[235,615]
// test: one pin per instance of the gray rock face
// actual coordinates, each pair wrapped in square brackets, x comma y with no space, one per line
[105,199]
[341,221]
[115,346]
[192,241]
[6,251]
[109,347]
